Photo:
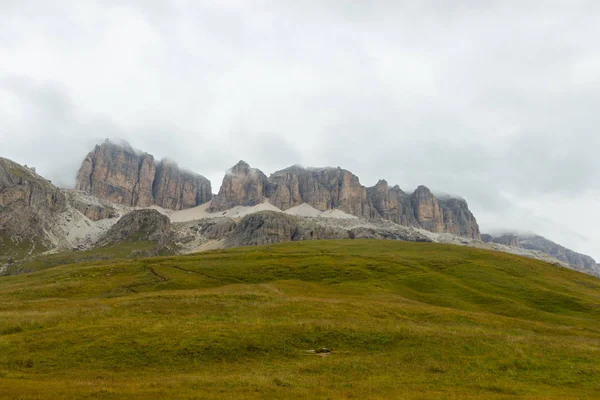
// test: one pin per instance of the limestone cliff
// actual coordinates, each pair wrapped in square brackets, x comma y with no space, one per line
[120,174]
[540,243]
[458,219]
[242,186]
[422,209]
[28,202]
[336,188]
[176,190]
[321,188]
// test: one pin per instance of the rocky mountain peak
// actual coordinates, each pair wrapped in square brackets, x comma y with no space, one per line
[116,172]
[241,186]
[241,165]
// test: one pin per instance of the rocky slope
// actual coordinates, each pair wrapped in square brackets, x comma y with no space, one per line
[578,261]
[339,189]
[139,225]
[121,175]
[28,204]
[539,243]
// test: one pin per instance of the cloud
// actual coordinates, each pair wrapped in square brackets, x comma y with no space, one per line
[492,101]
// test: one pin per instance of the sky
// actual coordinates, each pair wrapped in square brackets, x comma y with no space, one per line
[494,101]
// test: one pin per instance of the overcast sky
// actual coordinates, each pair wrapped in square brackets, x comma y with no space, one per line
[498,102]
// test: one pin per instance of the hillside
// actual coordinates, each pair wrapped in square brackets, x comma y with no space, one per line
[402,320]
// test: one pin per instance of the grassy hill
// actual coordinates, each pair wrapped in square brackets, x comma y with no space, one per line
[403,320]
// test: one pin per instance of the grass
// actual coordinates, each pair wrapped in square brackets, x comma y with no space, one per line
[404,320]
[130,248]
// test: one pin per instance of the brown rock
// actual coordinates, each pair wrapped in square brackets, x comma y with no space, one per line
[242,186]
[322,188]
[119,174]
[176,190]
[391,204]
[140,225]
[116,173]
[427,210]
[458,219]
[28,202]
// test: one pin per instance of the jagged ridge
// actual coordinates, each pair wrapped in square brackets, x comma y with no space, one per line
[336,188]
[119,174]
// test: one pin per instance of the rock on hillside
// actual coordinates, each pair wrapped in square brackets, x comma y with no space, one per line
[264,227]
[28,203]
[120,174]
[140,225]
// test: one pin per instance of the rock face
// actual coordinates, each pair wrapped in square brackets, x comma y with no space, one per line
[335,188]
[422,209]
[268,227]
[119,174]
[28,202]
[322,188]
[176,190]
[458,219]
[539,243]
[577,261]
[265,227]
[140,225]
[508,240]
[242,186]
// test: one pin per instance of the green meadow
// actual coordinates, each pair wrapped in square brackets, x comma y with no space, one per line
[402,320]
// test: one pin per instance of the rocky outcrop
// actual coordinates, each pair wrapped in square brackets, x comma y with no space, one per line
[28,203]
[93,208]
[265,227]
[540,243]
[508,239]
[120,174]
[177,190]
[242,186]
[321,188]
[427,210]
[458,219]
[391,204]
[335,188]
[422,209]
[138,226]
[536,243]
[268,227]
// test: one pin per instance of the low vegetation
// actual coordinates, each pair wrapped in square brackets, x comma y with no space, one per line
[402,320]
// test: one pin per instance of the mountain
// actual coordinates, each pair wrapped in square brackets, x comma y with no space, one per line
[104,216]
[336,188]
[578,261]
[29,205]
[540,243]
[121,175]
